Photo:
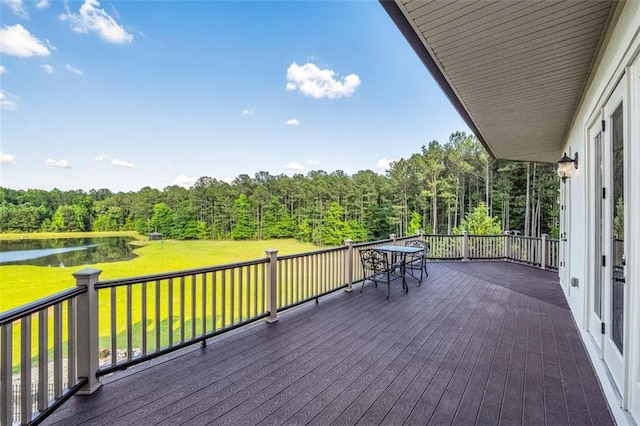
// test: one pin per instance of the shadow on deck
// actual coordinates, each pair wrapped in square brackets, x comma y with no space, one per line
[479,342]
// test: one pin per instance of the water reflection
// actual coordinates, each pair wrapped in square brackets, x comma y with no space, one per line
[61,252]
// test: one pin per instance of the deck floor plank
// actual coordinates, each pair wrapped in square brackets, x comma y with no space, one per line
[477,343]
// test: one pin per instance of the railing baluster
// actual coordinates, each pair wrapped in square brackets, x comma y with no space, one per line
[299,293]
[240,283]
[114,329]
[72,338]
[182,307]
[193,306]
[170,312]
[129,322]
[43,360]
[232,286]
[26,402]
[223,297]
[143,325]
[264,288]
[203,289]
[292,296]
[255,289]
[214,305]
[247,305]
[158,316]
[57,351]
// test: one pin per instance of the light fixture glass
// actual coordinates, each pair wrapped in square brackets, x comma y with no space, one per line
[564,166]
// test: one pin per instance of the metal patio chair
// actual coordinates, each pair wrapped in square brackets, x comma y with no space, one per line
[418,261]
[377,268]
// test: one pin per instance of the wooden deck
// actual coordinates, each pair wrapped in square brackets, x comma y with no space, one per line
[479,342]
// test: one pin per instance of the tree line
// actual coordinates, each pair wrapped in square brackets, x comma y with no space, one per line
[433,190]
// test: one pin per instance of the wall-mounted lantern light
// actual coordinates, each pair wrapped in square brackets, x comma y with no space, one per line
[564,166]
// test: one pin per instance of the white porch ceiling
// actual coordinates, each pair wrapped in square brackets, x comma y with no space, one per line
[514,70]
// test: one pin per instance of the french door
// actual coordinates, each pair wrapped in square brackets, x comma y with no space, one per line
[596,315]
[612,275]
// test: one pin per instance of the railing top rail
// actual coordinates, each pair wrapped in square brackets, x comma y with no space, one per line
[370,243]
[311,253]
[176,274]
[487,236]
[442,236]
[522,237]
[26,310]
[408,237]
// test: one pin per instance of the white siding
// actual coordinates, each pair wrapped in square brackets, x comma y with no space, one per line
[618,61]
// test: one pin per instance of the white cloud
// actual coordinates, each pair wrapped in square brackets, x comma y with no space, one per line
[91,18]
[293,166]
[15,40]
[7,103]
[293,122]
[383,164]
[73,70]
[47,68]
[313,162]
[228,180]
[3,70]
[17,7]
[248,111]
[100,157]
[121,163]
[312,81]
[63,164]
[7,158]
[42,4]
[185,181]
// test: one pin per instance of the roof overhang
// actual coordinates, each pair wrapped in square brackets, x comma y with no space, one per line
[514,70]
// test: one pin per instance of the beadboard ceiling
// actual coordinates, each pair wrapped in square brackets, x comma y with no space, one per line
[514,70]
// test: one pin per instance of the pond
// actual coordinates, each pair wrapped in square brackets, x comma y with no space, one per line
[61,252]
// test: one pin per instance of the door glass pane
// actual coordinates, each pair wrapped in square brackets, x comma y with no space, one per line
[618,228]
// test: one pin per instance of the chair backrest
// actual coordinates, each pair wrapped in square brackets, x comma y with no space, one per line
[424,245]
[373,261]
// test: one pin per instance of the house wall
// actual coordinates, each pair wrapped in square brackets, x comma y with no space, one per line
[618,61]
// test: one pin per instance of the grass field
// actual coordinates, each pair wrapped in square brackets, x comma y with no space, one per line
[22,284]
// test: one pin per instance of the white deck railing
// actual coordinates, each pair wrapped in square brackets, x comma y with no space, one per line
[152,315]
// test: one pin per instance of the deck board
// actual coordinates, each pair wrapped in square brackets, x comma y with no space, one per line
[478,342]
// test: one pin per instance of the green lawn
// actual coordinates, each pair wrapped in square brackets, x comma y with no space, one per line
[20,284]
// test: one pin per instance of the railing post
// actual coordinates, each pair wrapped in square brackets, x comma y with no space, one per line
[393,239]
[543,252]
[507,245]
[272,285]
[465,245]
[348,265]
[87,330]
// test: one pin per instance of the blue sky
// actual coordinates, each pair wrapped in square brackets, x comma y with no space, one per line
[127,94]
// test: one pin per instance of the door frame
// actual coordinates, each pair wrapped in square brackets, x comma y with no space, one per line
[594,225]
